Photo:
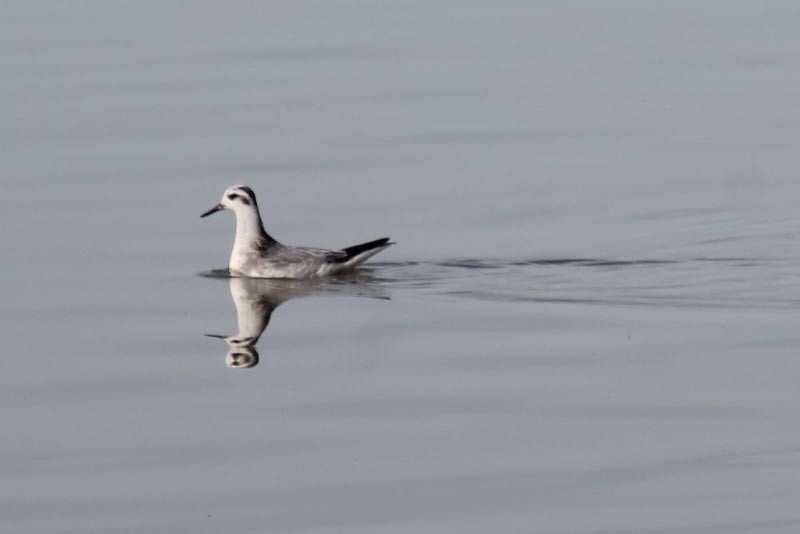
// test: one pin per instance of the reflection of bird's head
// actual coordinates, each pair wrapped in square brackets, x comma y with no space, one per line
[242,352]
[242,357]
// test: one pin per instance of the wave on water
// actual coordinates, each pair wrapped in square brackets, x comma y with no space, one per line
[216,273]
[693,282]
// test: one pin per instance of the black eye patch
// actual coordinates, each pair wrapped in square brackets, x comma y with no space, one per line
[234,196]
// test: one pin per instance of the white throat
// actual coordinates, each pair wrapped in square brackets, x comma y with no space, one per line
[249,231]
[250,238]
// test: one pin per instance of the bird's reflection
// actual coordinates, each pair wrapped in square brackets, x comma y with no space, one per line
[255,300]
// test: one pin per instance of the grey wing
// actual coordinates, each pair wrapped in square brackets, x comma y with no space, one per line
[304,255]
[291,262]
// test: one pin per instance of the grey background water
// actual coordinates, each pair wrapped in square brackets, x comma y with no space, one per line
[589,323]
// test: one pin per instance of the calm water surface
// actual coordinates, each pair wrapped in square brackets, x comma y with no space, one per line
[588,325]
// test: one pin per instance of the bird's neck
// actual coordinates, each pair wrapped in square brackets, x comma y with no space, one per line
[250,234]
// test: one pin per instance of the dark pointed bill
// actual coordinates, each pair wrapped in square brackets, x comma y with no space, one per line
[212,210]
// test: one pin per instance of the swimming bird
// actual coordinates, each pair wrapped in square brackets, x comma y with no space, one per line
[256,254]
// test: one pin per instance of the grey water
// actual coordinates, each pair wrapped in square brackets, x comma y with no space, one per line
[588,325]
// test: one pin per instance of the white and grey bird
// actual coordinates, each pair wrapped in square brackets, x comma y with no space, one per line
[257,254]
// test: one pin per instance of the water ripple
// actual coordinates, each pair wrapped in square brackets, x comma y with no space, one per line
[717,282]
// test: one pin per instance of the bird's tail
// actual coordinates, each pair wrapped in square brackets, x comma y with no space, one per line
[358,254]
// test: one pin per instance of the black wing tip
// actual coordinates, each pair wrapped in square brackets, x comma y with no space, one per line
[380,242]
[369,245]
[355,250]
